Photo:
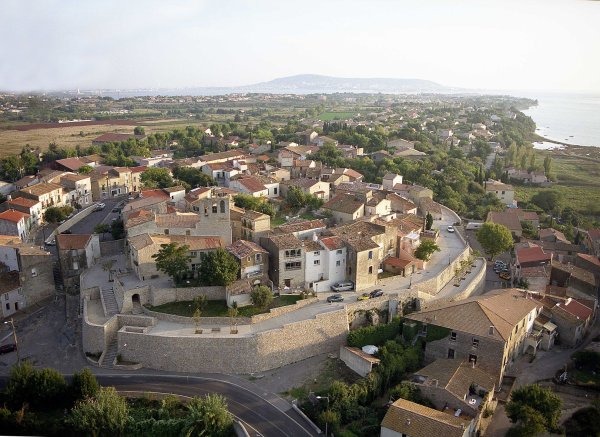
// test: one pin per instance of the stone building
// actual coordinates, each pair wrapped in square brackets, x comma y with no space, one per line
[78,189]
[312,187]
[34,265]
[286,260]
[75,254]
[15,223]
[253,259]
[346,207]
[28,206]
[488,331]
[249,225]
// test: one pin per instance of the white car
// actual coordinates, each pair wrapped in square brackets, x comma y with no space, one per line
[100,206]
[450,229]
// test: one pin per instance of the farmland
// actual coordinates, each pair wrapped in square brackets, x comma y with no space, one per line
[334,115]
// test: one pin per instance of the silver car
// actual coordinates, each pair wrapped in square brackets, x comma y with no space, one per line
[343,286]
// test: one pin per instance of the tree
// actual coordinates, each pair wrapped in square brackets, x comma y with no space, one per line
[547,165]
[295,198]
[173,260]
[218,268]
[426,249]
[102,228]
[107,267]
[104,415]
[428,221]
[139,130]
[56,214]
[549,200]
[117,229]
[36,387]
[155,177]
[261,296]
[84,385]
[208,416]
[85,169]
[533,407]
[494,238]
[232,312]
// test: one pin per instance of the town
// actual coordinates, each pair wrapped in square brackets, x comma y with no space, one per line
[384,236]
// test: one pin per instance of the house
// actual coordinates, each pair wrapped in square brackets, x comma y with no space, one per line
[587,262]
[76,253]
[71,164]
[301,228]
[258,149]
[321,140]
[408,153]
[428,206]
[400,143]
[502,191]
[457,385]
[11,293]
[592,241]
[250,185]
[350,152]
[488,330]
[530,217]
[326,263]
[532,256]
[409,419]
[413,192]
[26,181]
[313,187]
[358,360]
[401,204]
[78,190]
[380,155]
[511,221]
[444,134]
[573,317]
[143,246]
[378,205]
[15,223]
[286,260]
[109,181]
[574,278]
[552,235]
[368,245]
[286,157]
[390,180]
[48,194]
[253,259]
[111,137]
[28,206]
[34,269]
[346,207]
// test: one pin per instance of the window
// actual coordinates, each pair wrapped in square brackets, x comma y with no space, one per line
[166,232]
[6,296]
[491,330]
[292,253]
[370,270]
[338,263]
[339,251]
[33,273]
[295,265]
[214,209]
[473,358]
[453,336]
[194,267]
[222,206]
[193,254]
[275,191]
[258,258]
[370,254]
[8,306]
[187,232]
[317,253]
[317,262]
[75,265]
[424,329]
[451,353]
[475,342]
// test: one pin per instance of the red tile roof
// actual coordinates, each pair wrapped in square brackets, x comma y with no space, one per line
[72,241]
[577,309]
[71,163]
[22,201]
[13,216]
[397,262]
[252,184]
[333,243]
[532,254]
[589,258]
[594,234]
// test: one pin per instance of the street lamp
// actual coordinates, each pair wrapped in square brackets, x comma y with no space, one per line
[321,398]
[12,323]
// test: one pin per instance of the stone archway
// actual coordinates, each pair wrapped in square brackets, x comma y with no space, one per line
[136,304]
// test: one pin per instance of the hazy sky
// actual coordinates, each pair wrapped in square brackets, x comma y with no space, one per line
[491,44]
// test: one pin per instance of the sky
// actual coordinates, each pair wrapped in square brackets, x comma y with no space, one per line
[531,45]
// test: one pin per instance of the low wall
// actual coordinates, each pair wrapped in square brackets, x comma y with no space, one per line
[72,221]
[434,285]
[262,351]
[114,247]
[190,320]
[92,335]
[279,311]
[159,296]
[475,286]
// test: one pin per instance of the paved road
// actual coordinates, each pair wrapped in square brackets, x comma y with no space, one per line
[262,416]
[86,225]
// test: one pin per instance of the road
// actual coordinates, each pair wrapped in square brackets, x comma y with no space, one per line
[259,415]
[87,225]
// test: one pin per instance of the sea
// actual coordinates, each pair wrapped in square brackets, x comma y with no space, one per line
[569,118]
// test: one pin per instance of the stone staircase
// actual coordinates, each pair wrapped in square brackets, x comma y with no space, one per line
[58,280]
[110,355]
[110,301]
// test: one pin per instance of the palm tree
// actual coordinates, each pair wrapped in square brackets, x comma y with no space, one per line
[107,267]
[233,312]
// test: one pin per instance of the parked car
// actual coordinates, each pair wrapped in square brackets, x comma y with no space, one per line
[343,286]
[100,207]
[450,229]
[51,242]
[335,298]
[68,231]
[364,296]
[376,293]
[7,348]
[116,209]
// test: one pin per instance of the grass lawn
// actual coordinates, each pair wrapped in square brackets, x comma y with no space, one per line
[586,377]
[277,221]
[218,308]
[333,115]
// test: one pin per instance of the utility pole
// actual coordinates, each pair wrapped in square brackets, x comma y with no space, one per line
[12,323]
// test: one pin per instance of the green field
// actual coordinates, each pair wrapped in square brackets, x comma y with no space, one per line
[333,115]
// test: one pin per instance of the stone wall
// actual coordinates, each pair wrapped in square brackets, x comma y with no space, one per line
[160,296]
[114,247]
[476,285]
[222,353]
[73,220]
[92,335]
[434,285]
[279,311]
[190,320]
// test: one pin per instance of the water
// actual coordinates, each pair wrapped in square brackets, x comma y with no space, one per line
[568,118]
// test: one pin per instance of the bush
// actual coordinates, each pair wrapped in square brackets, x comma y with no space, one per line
[584,422]
[44,388]
[261,296]
[84,385]
[588,360]
[376,335]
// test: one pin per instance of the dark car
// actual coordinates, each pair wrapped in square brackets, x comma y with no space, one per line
[6,348]
[335,298]
[68,231]
[376,293]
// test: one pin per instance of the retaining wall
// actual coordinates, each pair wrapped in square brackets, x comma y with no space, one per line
[161,296]
[434,285]
[236,354]
[279,311]
[72,221]
[113,247]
